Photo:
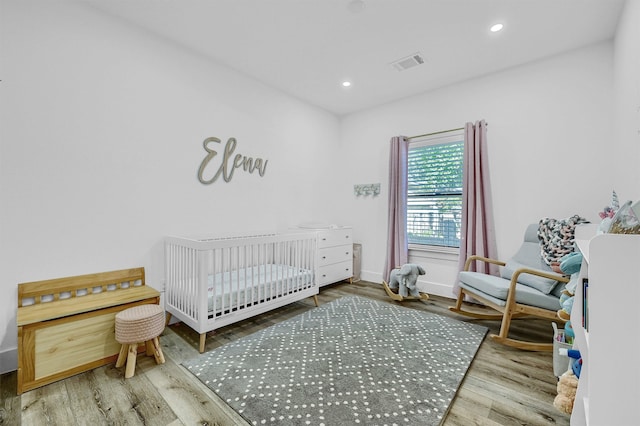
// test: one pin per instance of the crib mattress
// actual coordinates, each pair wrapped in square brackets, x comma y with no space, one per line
[239,288]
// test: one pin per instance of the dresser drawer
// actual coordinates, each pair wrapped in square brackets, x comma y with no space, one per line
[335,254]
[336,272]
[334,237]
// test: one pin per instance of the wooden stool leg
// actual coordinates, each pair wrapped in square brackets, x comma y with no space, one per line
[122,356]
[149,347]
[315,300]
[159,356]
[131,361]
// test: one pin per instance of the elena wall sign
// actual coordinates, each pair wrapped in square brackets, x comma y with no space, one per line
[229,162]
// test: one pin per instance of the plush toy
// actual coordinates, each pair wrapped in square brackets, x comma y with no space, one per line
[568,265]
[567,386]
[607,214]
[405,278]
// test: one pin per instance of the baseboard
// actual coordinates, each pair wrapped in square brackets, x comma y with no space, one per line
[438,289]
[8,360]
[429,287]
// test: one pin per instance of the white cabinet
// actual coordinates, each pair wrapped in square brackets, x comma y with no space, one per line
[608,391]
[335,255]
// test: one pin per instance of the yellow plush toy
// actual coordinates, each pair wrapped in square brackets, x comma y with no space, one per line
[567,386]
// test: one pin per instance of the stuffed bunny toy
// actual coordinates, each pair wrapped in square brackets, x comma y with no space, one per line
[405,279]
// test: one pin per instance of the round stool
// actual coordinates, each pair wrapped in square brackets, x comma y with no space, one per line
[140,324]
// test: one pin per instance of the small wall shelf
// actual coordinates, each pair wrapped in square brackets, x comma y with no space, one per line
[372,189]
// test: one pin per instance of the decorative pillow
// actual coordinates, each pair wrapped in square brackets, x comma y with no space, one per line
[528,256]
[545,285]
[557,236]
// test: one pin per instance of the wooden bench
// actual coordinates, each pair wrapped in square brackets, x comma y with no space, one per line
[67,325]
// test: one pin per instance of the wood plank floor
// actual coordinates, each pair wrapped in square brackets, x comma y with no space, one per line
[504,386]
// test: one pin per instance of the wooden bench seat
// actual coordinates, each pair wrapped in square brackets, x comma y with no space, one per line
[67,325]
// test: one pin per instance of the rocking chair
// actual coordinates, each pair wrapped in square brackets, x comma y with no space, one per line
[526,287]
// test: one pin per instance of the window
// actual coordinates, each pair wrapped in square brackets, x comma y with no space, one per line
[434,196]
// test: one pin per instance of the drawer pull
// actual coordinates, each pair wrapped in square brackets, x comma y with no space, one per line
[324,257]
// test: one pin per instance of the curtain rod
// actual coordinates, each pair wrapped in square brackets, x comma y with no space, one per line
[435,133]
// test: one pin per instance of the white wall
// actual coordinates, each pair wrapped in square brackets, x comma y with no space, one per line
[101,139]
[626,160]
[550,128]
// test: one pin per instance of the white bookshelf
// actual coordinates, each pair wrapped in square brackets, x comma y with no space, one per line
[609,386]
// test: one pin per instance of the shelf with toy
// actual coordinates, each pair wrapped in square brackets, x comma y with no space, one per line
[568,381]
[584,234]
[611,270]
[580,415]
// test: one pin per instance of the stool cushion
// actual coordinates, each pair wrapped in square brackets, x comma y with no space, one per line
[139,324]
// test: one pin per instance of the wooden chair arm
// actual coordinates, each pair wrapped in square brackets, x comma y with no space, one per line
[481,259]
[516,274]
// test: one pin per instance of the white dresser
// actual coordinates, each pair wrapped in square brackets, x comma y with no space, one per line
[335,255]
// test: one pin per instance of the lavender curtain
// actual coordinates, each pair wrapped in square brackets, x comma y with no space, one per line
[397,247]
[477,234]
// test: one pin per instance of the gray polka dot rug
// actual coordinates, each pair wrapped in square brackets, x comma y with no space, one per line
[353,361]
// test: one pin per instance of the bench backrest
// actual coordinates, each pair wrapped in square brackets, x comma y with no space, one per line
[64,288]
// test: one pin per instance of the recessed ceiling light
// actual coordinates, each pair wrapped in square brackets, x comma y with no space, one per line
[346,83]
[496,27]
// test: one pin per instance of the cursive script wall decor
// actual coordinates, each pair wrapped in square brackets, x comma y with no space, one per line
[228,166]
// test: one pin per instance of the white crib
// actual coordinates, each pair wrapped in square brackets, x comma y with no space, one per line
[213,282]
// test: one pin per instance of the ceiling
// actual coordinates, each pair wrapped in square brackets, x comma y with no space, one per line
[306,48]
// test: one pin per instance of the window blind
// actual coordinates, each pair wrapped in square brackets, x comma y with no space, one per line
[434,194]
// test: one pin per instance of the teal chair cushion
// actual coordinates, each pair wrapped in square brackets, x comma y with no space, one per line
[545,285]
[496,289]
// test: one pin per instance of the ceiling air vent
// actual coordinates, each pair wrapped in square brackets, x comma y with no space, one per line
[408,62]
